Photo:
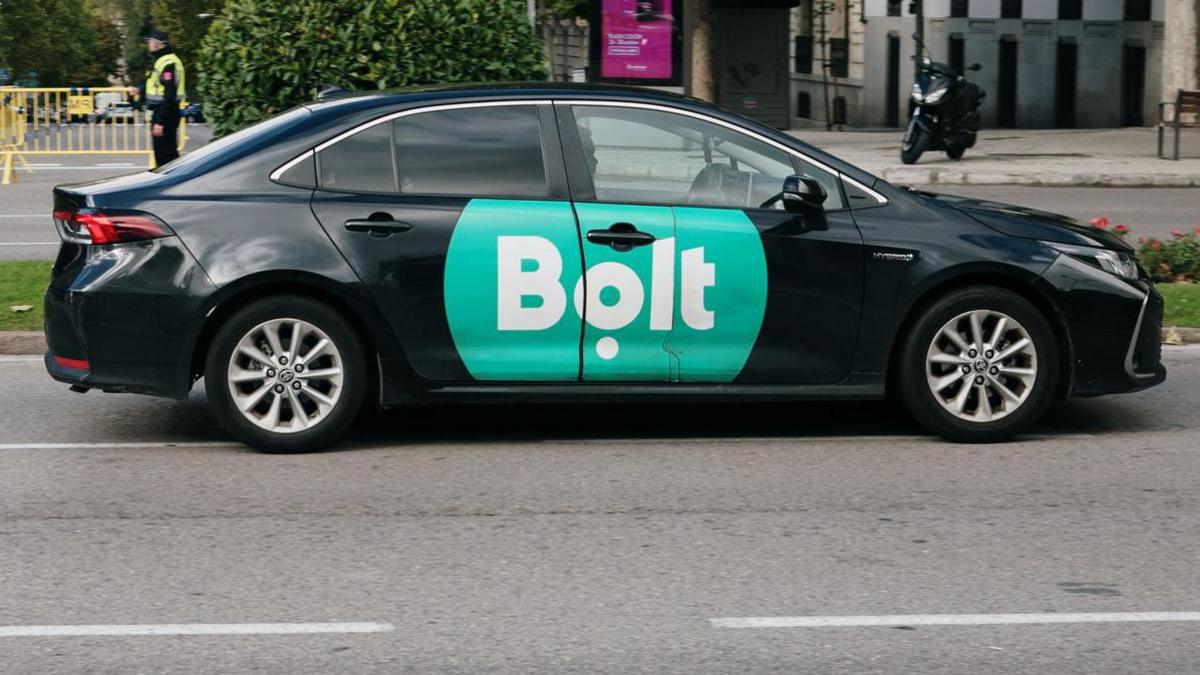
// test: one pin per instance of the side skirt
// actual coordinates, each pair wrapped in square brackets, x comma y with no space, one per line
[864,389]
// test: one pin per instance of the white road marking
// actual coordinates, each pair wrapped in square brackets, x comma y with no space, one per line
[58,167]
[121,630]
[118,445]
[949,619]
[887,438]
[115,164]
[42,164]
[22,359]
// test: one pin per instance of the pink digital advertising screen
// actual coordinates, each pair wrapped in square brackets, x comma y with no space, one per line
[637,40]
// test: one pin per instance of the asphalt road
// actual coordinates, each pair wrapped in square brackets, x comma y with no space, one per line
[555,539]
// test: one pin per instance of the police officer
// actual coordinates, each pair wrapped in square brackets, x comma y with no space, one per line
[166,87]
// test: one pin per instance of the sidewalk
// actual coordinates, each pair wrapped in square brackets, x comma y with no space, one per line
[1052,157]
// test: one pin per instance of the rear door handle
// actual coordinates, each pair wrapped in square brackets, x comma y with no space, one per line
[377,227]
[620,236]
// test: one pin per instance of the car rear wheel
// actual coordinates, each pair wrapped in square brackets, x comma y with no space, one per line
[285,374]
[980,365]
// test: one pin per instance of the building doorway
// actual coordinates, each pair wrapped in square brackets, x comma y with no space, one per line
[892,101]
[1133,86]
[1008,83]
[1066,69]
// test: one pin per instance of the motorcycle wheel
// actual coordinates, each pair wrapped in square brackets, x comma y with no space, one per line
[917,144]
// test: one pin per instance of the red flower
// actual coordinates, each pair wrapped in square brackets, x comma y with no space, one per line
[1177,234]
[1120,229]
[1100,222]
[1155,244]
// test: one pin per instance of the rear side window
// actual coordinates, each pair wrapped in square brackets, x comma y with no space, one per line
[479,152]
[359,163]
[492,151]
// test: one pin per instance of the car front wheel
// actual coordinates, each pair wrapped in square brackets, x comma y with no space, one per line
[285,374]
[980,365]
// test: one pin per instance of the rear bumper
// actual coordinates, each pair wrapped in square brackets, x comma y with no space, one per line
[1113,328]
[119,317]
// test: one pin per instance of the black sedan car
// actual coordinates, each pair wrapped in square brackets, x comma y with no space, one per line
[556,242]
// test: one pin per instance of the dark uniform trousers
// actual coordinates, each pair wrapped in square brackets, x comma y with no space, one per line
[166,147]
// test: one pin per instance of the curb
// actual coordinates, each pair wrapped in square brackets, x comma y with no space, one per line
[27,343]
[915,175]
[22,342]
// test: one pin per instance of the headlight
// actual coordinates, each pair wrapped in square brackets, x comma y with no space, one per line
[1118,263]
[937,95]
[916,92]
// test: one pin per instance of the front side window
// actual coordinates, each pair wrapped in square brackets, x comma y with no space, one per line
[654,157]
[490,151]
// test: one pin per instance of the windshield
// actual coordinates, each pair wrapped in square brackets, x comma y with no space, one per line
[199,155]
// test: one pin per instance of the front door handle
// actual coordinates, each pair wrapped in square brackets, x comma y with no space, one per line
[620,236]
[378,227]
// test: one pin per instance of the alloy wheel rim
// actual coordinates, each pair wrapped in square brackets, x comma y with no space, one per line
[981,366]
[285,375]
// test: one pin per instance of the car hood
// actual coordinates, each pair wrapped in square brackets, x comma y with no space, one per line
[1027,223]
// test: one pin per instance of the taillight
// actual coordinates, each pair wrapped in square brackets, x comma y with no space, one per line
[108,226]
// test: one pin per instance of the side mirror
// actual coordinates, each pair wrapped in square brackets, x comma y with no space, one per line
[975,66]
[802,193]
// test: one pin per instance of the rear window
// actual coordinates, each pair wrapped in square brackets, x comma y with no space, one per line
[217,147]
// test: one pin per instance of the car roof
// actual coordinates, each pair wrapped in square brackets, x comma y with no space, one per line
[381,97]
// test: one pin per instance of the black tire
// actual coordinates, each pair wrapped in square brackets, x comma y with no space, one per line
[912,368]
[333,424]
[955,152]
[917,145]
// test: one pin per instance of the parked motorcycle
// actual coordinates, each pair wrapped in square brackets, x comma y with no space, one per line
[945,112]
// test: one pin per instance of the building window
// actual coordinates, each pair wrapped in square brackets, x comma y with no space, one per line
[893,8]
[839,57]
[1010,9]
[803,104]
[958,8]
[1137,10]
[956,51]
[804,45]
[1070,10]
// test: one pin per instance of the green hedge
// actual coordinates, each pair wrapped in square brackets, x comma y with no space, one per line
[261,57]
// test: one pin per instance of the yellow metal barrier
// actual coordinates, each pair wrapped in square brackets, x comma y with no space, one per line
[72,121]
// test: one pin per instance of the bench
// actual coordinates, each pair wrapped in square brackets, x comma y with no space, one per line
[1186,103]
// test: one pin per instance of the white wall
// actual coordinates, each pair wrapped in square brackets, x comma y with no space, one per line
[984,9]
[1103,10]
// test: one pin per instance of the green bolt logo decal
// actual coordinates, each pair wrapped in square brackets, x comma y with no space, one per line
[687,307]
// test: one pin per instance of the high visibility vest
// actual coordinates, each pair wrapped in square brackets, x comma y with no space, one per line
[154,86]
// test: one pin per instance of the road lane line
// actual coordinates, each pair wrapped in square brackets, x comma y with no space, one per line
[949,619]
[122,630]
[35,169]
[889,438]
[115,165]
[22,359]
[119,445]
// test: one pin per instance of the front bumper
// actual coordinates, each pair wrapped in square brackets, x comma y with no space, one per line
[1113,328]
[118,318]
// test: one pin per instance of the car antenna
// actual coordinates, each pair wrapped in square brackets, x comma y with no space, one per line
[327,91]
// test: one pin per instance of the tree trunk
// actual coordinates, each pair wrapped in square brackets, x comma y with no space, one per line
[704,73]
